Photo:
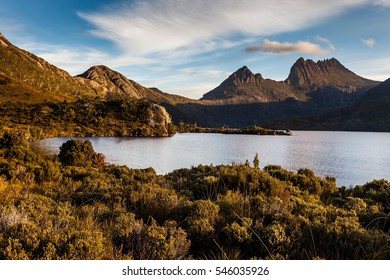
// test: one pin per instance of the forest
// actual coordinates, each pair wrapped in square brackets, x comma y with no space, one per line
[74,206]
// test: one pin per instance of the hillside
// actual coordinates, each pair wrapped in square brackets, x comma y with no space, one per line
[46,101]
[27,70]
[370,113]
[109,82]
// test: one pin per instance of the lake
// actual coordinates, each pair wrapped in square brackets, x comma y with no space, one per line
[352,157]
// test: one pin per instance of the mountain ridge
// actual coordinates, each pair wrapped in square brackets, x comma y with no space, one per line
[305,77]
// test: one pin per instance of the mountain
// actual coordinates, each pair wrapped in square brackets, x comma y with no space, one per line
[309,75]
[243,87]
[28,70]
[47,101]
[307,81]
[245,98]
[104,79]
[370,113]
[107,81]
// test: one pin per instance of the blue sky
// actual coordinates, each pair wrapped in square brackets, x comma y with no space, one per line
[190,47]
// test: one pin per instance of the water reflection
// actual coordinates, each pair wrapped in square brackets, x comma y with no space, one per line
[352,157]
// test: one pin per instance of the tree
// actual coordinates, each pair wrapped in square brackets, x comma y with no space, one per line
[79,153]
[256,161]
[13,139]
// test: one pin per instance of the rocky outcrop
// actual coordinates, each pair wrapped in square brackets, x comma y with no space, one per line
[159,119]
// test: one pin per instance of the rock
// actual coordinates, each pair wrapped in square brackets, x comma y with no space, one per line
[159,119]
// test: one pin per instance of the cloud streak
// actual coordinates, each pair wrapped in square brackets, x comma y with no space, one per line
[275,47]
[382,3]
[76,60]
[198,26]
[326,41]
[368,42]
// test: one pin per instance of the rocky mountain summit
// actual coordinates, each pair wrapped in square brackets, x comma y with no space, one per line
[103,79]
[309,75]
[243,87]
[305,79]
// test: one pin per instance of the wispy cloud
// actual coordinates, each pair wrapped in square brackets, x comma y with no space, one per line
[10,25]
[198,26]
[368,42]
[76,59]
[286,48]
[372,68]
[383,3]
[326,41]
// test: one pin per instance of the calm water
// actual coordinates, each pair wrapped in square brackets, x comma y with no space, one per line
[352,157]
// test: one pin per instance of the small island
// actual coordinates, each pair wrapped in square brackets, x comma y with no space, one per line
[251,130]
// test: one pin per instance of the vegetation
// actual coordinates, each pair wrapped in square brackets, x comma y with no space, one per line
[75,206]
[252,130]
[90,116]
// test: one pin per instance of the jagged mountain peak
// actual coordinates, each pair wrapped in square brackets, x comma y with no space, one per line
[243,86]
[308,74]
[244,75]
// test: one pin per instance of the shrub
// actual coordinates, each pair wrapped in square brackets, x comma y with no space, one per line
[80,153]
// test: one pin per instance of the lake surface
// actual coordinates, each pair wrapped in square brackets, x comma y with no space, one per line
[352,157]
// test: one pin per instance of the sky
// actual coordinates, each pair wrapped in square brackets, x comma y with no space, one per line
[190,47]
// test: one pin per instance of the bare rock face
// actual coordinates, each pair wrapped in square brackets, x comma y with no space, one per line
[159,119]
